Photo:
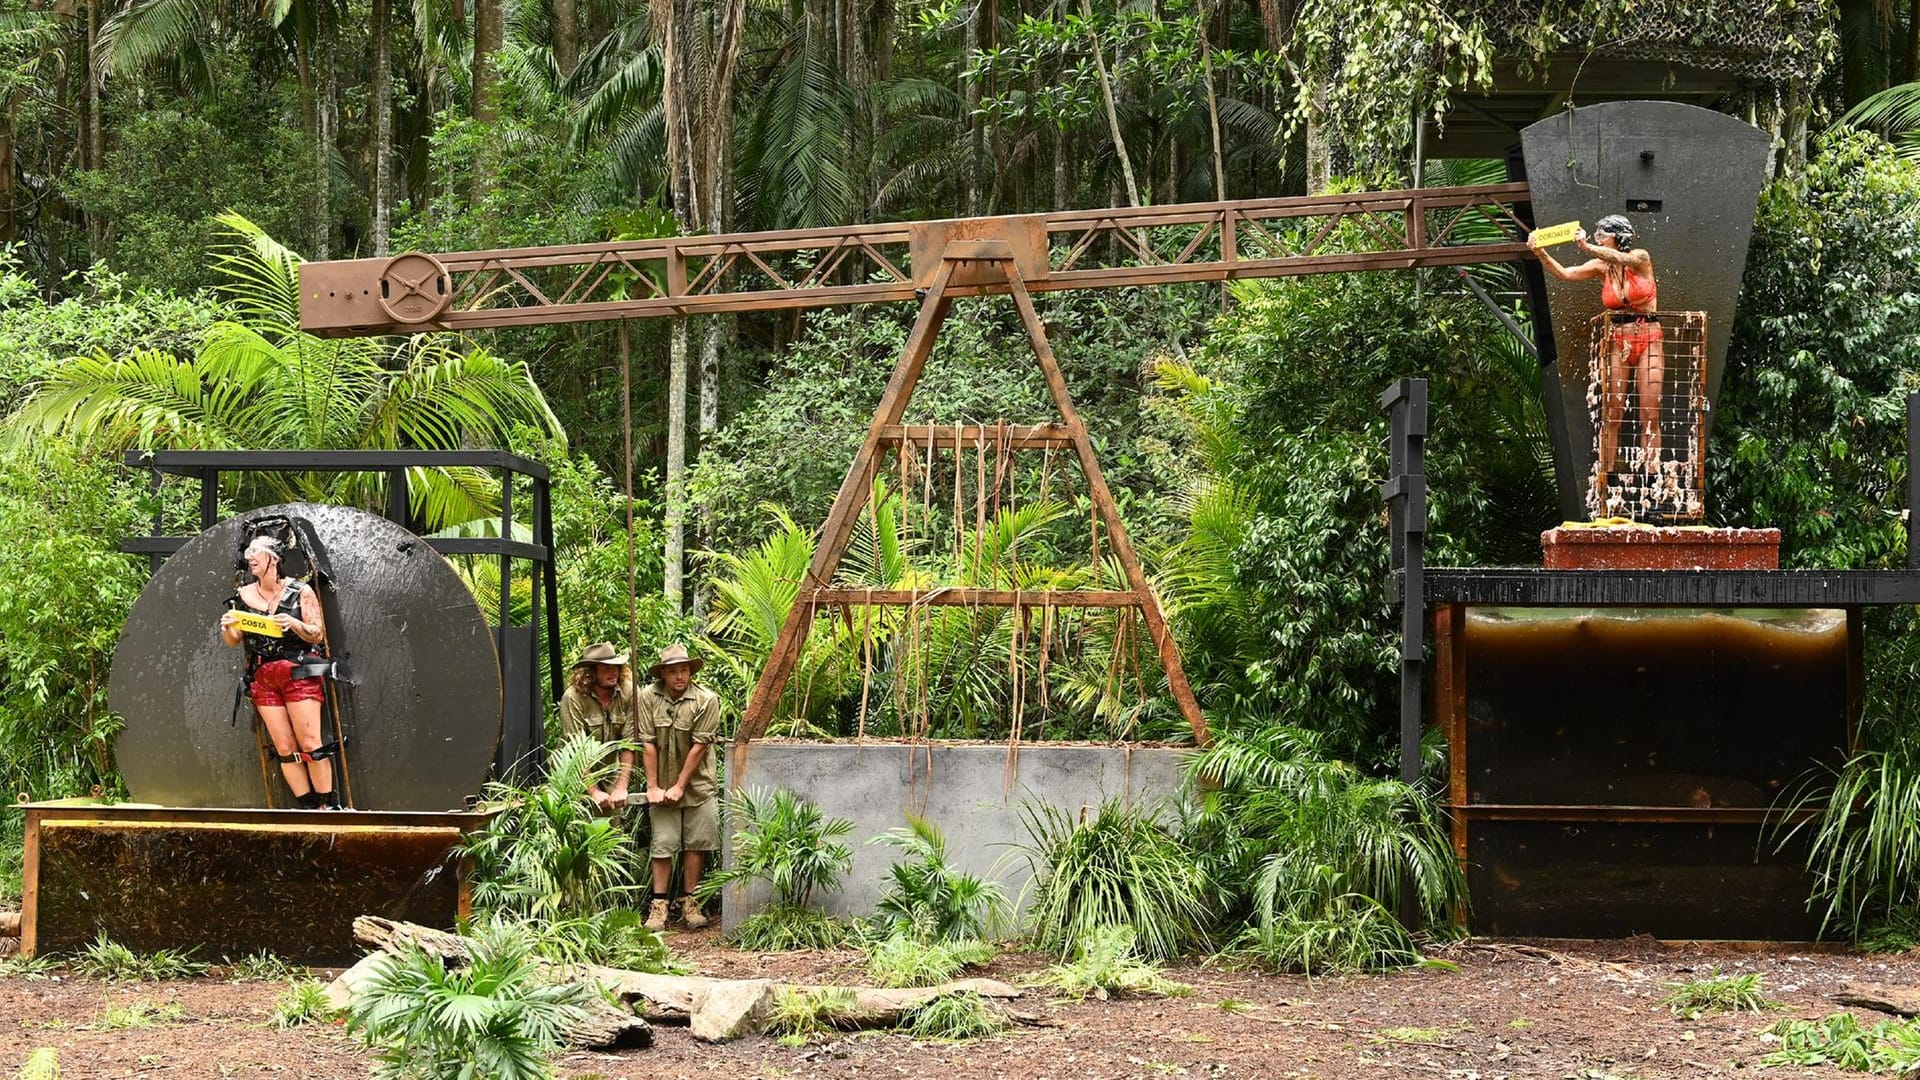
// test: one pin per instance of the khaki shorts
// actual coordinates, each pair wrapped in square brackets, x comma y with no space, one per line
[684,828]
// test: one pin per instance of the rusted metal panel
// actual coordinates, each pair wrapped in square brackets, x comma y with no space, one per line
[1615,879]
[1654,708]
[232,882]
[1025,237]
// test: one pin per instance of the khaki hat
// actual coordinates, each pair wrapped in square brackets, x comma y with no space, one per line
[676,654]
[602,652]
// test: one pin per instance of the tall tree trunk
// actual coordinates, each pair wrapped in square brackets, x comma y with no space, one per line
[1061,193]
[1113,114]
[1319,146]
[93,150]
[489,33]
[9,191]
[970,93]
[382,127]
[1213,110]
[566,36]
[1912,67]
[328,114]
[676,464]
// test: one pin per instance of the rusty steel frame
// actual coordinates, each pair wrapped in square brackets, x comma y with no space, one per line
[934,262]
[972,258]
[897,261]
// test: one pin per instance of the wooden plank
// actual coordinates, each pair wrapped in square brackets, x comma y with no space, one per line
[855,491]
[1676,815]
[1021,436]
[1109,515]
[959,597]
[30,885]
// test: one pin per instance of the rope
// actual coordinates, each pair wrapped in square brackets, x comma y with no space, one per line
[866,661]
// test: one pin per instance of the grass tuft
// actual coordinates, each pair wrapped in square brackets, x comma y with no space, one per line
[138,1014]
[783,929]
[1354,934]
[28,967]
[800,1015]
[955,1018]
[305,1002]
[42,1064]
[1717,993]
[110,960]
[262,966]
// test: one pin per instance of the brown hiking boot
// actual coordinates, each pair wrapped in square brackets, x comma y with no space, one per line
[657,915]
[690,913]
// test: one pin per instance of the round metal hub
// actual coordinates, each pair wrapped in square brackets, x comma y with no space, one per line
[414,288]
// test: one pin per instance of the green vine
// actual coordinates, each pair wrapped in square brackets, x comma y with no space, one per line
[1365,65]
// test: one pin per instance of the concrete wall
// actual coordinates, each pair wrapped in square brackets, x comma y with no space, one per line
[961,788]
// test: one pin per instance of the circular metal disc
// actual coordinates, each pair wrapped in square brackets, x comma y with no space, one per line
[421,711]
[413,288]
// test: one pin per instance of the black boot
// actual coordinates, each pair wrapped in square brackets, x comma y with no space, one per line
[309,801]
[329,800]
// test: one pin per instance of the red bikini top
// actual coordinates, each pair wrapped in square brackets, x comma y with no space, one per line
[1641,293]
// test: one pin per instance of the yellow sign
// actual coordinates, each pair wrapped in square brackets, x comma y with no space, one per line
[1553,234]
[250,623]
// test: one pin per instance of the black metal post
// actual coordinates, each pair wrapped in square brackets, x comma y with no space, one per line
[1405,494]
[209,498]
[544,509]
[399,501]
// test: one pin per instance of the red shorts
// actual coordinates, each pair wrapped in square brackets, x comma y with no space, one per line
[274,684]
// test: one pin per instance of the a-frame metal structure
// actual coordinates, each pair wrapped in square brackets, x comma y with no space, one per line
[935,263]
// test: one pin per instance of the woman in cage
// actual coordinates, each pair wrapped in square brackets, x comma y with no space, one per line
[283,676]
[1634,341]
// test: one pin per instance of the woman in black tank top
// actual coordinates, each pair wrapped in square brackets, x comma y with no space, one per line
[289,706]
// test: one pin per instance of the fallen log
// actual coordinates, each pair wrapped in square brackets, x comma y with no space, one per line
[604,1026]
[716,1009]
[1902,1001]
[9,924]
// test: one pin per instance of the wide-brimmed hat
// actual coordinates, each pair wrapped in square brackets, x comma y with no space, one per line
[676,654]
[602,652]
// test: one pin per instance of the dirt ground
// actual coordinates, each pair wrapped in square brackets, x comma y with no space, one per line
[1556,1010]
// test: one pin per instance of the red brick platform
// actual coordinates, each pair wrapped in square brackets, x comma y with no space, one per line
[1637,547]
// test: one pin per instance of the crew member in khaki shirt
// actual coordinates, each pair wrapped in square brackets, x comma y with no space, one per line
[600,701]
[677,724]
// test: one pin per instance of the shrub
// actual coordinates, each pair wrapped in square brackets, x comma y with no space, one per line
[905,961]
[1352,933]
[782,928]
[549,854]
[617,937]
[1118,869]
[1315,855]
[138,1014]
[1839,1039]
[785,841]
[1864,851]
[305,1002]
[1107,965]
[494,1017]
[930,899]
